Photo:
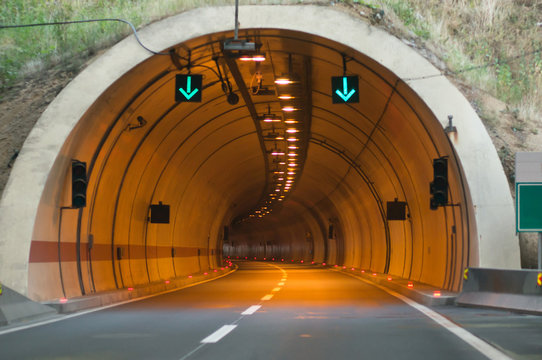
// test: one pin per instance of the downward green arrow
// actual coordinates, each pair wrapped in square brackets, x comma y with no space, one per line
[188,93]
[345,95]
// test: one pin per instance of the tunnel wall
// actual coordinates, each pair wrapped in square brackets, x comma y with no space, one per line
[30,242]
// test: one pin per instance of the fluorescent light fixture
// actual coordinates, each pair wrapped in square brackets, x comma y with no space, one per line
[286,97]
[283,80]
[288,108]
[252,57]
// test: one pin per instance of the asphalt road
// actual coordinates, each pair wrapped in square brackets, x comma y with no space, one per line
[305,313]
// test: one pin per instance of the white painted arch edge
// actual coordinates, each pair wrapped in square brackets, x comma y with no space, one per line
[479,159]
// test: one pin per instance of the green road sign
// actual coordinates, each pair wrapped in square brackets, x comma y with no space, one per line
[188,88]
[344,89]
[529,207]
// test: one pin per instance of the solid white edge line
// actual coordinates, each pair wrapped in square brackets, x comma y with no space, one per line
[251,310]
[483,347]
[84,312]
[219,334]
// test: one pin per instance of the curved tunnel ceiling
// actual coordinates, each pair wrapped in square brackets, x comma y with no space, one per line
[213,163]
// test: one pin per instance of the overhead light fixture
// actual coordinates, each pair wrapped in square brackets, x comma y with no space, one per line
[292,154]
[292,139]
[277,153]
[283,80]
[288,109]
[252,57]
[293,147]
[286,97]
[291,121]
[270,118]
[292,131]
[282,163]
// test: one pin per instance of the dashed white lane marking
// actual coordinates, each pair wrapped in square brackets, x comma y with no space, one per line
[276,289]
[283,279]
[280,284]
[483,347]
[251,310]
[219,334]
[267,297]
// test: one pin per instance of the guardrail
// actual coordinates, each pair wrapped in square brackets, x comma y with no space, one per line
[516,290]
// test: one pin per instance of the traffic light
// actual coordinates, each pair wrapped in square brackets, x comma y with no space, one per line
[439,186]
[79,184]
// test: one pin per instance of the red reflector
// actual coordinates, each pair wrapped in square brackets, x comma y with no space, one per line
[312,262]
[254,257]
[436,293]
[246,258]
[389,278]
[353,269]
[228,257]
[410,284]
[130,288]
[362,271]
[190,276]
[281,259]
[344,267]
[221,268]
[336,265]
[324,264]
[167,281]
[302,261]
[215,270]
[265,258]
[374,274]
[63,300]
[205,273]
[292,261]
[273,259]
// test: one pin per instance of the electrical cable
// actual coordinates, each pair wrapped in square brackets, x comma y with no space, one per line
[476,67]
[87,21]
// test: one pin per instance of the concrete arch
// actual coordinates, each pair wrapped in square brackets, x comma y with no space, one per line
[90,117]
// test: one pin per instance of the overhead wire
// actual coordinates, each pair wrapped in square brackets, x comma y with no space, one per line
[87,21]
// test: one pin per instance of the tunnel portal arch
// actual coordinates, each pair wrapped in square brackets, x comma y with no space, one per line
[358,157]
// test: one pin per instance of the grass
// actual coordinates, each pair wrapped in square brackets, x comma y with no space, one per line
[506,34]
[503,33]
[26,50]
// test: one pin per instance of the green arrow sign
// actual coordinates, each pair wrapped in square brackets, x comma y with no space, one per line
[344,89]
[188,88]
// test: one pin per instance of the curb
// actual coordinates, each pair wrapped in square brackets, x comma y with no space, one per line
[66,306]
[419,292]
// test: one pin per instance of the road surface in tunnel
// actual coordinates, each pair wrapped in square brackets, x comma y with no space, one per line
[270,311]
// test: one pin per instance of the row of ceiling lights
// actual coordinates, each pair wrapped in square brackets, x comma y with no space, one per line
[283,133]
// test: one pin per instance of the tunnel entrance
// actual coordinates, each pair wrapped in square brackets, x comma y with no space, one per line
[281,172]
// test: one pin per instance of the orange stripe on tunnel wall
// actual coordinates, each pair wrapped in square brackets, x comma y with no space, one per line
[47,251]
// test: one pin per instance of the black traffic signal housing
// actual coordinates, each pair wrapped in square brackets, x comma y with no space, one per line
[79,184]
[439,186]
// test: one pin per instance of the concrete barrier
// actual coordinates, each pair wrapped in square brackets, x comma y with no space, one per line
[15,307]
[515,290]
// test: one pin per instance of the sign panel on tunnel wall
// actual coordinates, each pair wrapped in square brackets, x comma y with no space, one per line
[345,89]
[188,88]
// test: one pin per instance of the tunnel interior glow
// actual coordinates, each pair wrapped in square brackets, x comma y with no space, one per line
[206,161]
